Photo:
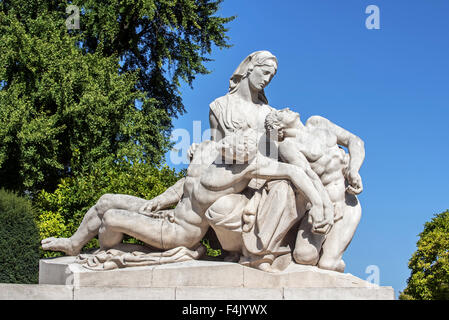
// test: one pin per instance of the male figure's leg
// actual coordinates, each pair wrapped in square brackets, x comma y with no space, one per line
[341,235]
[308,244]
[91,223]
[159,233]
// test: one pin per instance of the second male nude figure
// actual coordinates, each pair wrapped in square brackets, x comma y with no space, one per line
[315,145]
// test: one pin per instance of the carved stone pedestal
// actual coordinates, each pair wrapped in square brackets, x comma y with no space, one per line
[196,280]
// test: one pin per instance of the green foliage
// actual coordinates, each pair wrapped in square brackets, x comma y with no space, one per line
[61,110]
[166,40]
[65,100]
[429,265]
[88,112]
[19,240]
[61,211]
[209,250]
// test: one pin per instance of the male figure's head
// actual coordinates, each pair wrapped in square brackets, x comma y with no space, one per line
[279,120]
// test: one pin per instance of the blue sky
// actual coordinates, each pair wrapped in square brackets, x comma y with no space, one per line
[388,86]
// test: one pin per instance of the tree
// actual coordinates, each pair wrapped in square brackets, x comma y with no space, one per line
[429,265]
[108,90]
[62,110]
[151,36]
[166,40]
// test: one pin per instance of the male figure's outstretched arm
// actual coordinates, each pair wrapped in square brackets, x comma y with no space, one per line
[168,198]
[266,168]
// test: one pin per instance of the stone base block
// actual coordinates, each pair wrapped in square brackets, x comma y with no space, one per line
[196,280]
[62,292]
[9,291]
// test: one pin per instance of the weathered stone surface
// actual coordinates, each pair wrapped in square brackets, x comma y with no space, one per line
[220,293]
[62,292]
[191,273]
[300,276]
[374,293]
[55,271]
[64,270]
[198,274]
[208,280]
[35,292]
[123,293]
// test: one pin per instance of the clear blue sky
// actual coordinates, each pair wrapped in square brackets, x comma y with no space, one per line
[388,86]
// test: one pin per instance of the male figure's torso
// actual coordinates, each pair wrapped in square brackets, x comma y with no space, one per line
[326,159]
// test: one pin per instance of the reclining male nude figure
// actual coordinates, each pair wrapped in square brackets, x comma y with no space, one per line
[115,215]
[316,145]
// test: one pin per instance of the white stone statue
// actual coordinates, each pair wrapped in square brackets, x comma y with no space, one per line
[262,207]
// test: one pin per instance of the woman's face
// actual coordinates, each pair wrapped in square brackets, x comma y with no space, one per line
[261,76]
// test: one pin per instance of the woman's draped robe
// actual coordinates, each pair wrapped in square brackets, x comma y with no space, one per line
[277,208]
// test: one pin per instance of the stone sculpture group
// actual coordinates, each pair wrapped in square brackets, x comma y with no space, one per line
[274,190]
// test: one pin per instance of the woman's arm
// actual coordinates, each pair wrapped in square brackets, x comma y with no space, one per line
[217,132]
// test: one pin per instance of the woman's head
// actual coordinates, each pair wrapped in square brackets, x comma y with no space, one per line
[259,67]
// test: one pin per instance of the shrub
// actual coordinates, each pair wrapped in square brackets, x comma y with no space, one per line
[19,240]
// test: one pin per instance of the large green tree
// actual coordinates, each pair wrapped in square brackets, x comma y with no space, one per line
[166,40]
[69,98]
[429,279]
[62,110]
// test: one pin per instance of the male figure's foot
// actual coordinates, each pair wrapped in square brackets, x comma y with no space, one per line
[332,265]
[341,266]
[265,266]
[59,244]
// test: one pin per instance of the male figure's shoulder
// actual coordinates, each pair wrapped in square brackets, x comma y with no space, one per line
[316,121]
